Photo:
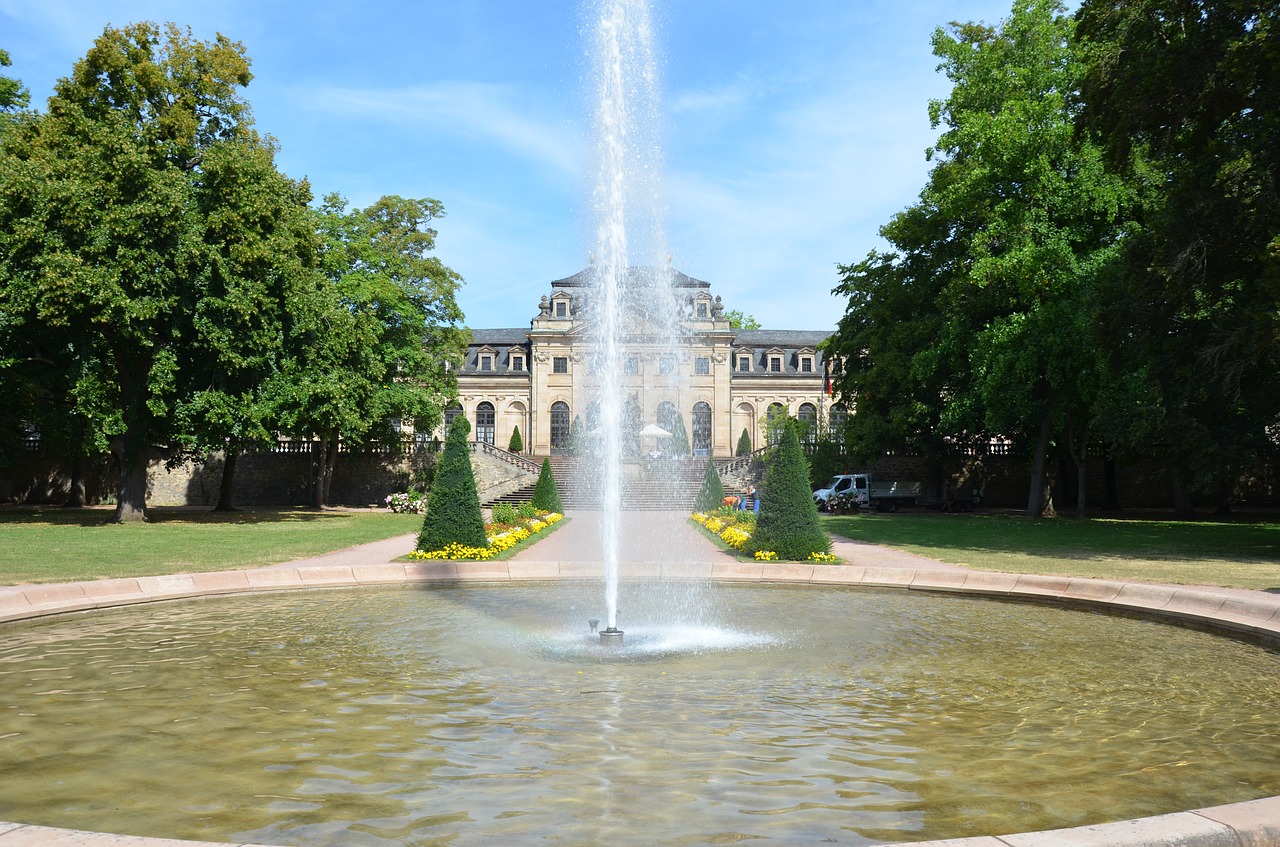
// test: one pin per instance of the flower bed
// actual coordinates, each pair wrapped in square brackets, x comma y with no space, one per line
[734,528]
[501,537]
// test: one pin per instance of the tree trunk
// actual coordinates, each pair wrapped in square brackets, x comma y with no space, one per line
[131,494]
[1036,496]
[1111,501]
[1183,510]
[224,503]
[1079,454]
[321,453]
[331,464]
[75,494]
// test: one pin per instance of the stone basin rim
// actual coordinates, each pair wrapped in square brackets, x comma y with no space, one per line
[1256,614]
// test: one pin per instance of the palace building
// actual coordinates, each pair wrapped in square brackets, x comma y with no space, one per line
[720,380]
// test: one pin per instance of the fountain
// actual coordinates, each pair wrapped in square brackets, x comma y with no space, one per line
[483,714]
[850,712]
[624,73]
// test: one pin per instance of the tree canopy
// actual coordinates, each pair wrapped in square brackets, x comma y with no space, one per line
[164,289]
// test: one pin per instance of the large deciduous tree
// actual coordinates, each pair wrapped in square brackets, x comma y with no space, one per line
[1184,96]
[979,323]
[372,342]
[101,227]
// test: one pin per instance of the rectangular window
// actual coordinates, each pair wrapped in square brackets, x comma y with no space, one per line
[806,365]
[486,363]
[562,309]
[744,364]
[631,365]
[702,310]
[667,365]
[702,365]
[560,364]
[775,364]
[517,363]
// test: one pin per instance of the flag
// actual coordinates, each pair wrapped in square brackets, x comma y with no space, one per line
[826,377]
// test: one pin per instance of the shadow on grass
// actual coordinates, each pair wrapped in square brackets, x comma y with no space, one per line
[91,516]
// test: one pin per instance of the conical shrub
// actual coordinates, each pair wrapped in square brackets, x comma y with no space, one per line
[744,443]
[788,522]
[516,444]
[545,494]
[711,495]
[453,507]
[679,438]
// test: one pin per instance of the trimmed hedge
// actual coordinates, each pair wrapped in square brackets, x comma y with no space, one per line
[545,494]
[711,495]
[788,523]
[453,507]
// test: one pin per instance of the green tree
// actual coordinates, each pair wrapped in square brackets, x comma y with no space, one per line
[711,495]
[102,238]
[368,343]
[453,506]
[545,494]
[737,320]
[679,437]
[14,97]
[788,522]
[1183,97]
[982,321]
[261,247]
[516,445]
[744,443]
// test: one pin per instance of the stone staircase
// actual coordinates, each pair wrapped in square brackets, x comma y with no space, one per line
[658,485]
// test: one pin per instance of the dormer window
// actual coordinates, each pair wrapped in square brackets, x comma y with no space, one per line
[775,364]
[806,364]
[486,362]
[744,364]
[702,309]
[517,362]
[562,309]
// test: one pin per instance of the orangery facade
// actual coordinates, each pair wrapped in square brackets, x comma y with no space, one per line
[719,380]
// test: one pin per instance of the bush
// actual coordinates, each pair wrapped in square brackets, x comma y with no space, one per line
[504,513]
[516,445]
[527,510]
[744,443]
[711,496]
[545,494]
[453,507]
[679,438]
[788,521]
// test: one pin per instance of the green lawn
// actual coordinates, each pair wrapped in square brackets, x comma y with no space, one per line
[58,545]
[1240,553]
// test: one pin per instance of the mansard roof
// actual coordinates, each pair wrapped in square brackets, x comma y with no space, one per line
[586,278]
[499,337]
[787,338]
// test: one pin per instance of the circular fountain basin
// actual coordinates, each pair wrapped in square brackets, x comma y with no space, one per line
[492,715]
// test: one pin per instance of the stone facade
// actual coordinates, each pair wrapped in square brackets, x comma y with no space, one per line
[720,380]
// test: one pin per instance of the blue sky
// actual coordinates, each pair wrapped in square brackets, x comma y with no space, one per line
[791,133]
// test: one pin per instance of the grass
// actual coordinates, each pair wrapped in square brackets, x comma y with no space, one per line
[1238,554]
[59,545]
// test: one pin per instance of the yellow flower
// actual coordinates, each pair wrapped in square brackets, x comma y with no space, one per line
[766,555]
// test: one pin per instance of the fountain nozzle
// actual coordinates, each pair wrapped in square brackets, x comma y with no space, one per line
[611,637]
[594,622]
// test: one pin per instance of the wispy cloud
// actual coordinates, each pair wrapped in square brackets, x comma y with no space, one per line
[480,113]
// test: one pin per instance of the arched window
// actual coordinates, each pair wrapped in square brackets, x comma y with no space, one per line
[559,425]
[702,429]
[772,420]
[667,415]
[449,414]
[807,414]
[484,422]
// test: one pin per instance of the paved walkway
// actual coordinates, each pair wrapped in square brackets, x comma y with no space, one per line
[659,537]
